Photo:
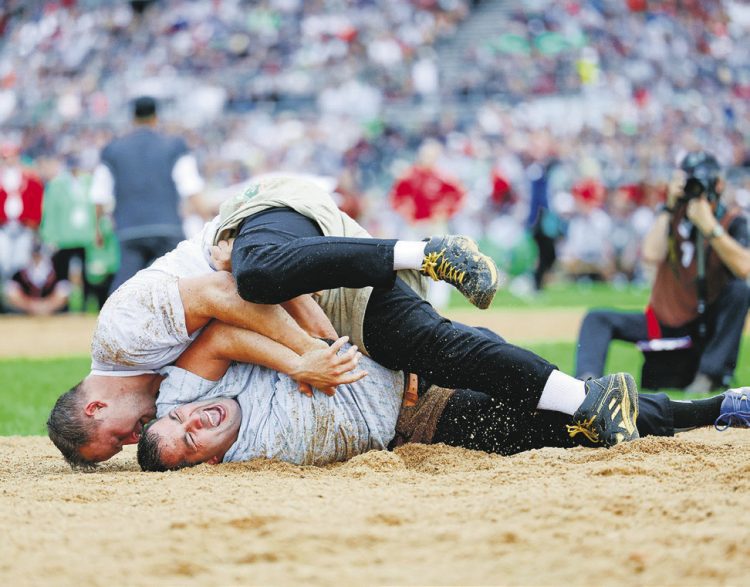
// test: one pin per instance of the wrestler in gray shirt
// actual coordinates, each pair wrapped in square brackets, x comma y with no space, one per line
[263,414]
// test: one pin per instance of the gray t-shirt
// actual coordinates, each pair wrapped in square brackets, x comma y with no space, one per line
[281,423]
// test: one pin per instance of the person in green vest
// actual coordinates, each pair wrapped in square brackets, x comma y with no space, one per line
[69,226]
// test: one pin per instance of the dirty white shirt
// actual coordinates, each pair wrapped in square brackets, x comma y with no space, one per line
[278,422]
[141,327]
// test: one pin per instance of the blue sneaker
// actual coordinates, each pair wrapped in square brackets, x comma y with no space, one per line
[735,409]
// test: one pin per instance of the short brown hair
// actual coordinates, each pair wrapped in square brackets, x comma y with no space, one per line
[69,429]
[149,453]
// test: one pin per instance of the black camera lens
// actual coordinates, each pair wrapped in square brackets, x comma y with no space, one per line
[694,188]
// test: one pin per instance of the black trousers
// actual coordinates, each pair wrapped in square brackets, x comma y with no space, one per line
[475,420]
[725,319]
[279,254]
[61,261]
[139,253]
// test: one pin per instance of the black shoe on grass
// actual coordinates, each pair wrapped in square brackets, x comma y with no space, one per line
[607,416]
[457,260]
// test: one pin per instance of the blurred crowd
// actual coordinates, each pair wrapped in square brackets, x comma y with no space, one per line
[549,138]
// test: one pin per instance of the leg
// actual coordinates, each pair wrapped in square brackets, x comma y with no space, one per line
[726,318]
[476,421]
[404,332]
[215,296]
[280,254]
[131,262]
[598,329]
[655,415]
[547,256]
[401,330]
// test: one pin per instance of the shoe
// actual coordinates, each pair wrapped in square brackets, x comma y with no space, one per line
[735,409]
[701,384]
[608,414]
[457,260]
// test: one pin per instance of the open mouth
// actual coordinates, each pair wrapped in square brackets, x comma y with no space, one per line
[214,416]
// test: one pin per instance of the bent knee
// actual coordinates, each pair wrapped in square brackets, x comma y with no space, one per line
[595,318]
[257,283]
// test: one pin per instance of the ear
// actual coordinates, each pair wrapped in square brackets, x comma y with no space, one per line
[93,406]
[215,460]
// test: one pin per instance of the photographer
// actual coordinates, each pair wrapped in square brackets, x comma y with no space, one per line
[699,298]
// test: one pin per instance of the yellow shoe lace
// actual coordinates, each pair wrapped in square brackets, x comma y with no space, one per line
[444,270]
[585,428]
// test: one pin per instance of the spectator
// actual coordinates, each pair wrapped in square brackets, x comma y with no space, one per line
[144,175]
[588,252]
[21,194]
[36,289]
[545,225]
[69,227]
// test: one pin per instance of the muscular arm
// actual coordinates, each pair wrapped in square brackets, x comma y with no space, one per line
[219,344]
[215,295]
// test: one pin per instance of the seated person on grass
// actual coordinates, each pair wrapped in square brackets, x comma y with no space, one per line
[36,289]
[211,410]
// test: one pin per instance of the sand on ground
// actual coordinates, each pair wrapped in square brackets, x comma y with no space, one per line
[657,511]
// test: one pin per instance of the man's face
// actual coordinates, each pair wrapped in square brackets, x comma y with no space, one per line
[119,421]
[198,432]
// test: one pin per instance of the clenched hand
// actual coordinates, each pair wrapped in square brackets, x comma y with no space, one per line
[324,369]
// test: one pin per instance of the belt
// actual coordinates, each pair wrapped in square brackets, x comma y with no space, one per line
[411,390]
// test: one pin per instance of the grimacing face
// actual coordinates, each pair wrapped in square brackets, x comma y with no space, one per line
[119,421]
[198,432]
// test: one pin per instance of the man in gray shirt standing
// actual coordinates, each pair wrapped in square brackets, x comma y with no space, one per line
[147,178]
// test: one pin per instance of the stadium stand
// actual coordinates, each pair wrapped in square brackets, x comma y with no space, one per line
[605,91]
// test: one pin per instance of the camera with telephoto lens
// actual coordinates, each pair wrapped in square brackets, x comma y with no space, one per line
[703,172]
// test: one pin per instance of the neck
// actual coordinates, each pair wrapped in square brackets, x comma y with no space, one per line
[147,384]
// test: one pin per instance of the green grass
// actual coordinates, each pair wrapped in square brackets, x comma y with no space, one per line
[31,386]
[568,295]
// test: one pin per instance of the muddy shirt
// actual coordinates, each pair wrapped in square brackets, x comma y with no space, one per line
[278,422]
[141,327]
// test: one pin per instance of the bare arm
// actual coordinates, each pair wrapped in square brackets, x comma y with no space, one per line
[654,249]
[215,295]
[219,344]
[732,253]
[310,316]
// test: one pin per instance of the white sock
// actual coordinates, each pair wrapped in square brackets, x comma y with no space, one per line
[562,393]
[408,255]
